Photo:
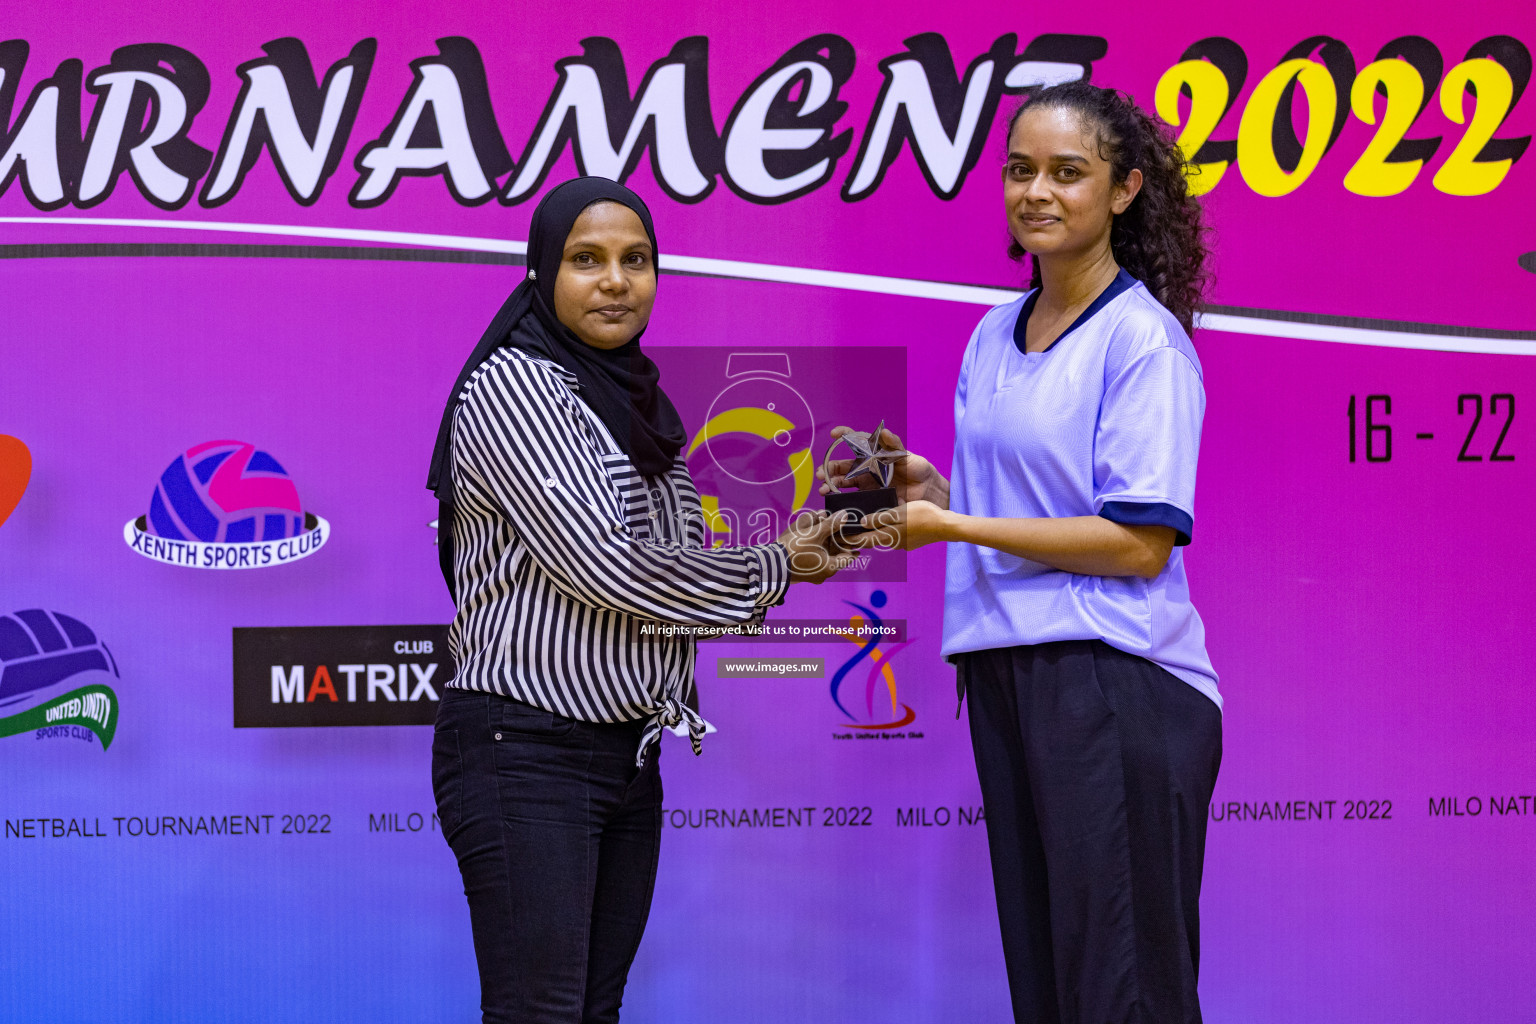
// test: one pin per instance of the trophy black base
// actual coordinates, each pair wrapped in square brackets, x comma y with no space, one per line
[866,503]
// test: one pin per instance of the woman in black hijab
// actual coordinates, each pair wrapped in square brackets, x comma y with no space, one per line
[572,540]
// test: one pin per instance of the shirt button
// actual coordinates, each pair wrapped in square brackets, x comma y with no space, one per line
[550,482]
[498,735]
[653,515]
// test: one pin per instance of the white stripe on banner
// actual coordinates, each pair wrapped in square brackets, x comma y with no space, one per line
[1364,335]
[874,283]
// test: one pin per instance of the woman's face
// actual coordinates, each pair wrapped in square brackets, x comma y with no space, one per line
[607,280]
[1061,195]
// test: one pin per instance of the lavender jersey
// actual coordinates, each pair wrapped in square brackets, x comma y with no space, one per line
[1105,422]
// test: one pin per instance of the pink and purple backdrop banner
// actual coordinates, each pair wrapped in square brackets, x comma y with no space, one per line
[285,228]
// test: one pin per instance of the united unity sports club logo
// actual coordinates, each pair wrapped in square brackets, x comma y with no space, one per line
[42,654]
[226,505]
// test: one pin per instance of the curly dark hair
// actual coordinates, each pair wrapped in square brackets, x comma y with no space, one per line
[1161,237]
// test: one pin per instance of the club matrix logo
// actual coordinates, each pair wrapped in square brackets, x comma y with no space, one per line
[339,675]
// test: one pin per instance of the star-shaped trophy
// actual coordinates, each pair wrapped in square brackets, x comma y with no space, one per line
[871,460]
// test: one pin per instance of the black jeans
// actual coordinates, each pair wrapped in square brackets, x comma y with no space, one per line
[557,834]
[1096,774]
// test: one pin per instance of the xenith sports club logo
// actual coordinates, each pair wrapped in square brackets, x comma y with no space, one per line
[864,684]
[42,656]
[339,675]
[226,505]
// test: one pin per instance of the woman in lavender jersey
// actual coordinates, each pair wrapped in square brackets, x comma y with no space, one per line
[1094,712]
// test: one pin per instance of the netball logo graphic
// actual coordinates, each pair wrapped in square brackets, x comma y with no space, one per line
[226,505]
[858,704]
[41,653]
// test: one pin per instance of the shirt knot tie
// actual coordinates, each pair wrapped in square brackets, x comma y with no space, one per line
[671,713]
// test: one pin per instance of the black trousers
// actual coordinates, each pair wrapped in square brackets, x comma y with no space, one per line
[557,835]
[1096,774]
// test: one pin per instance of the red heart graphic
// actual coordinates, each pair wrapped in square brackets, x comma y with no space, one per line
[15,471]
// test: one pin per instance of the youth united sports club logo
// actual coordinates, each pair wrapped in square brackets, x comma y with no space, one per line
[864,706]
[226,505]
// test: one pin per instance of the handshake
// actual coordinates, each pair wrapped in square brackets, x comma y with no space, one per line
[820,544]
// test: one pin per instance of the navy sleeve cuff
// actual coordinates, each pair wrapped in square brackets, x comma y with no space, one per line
[1139,513]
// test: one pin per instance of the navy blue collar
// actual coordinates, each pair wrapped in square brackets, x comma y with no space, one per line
[1121,282]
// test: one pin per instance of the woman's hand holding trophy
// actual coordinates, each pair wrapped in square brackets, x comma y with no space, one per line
[902,499]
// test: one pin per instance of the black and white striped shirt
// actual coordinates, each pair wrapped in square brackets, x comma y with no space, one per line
[564,554]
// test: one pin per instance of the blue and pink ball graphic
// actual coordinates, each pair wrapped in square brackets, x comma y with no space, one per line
[225,492]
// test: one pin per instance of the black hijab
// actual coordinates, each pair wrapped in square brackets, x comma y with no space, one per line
[621,385]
